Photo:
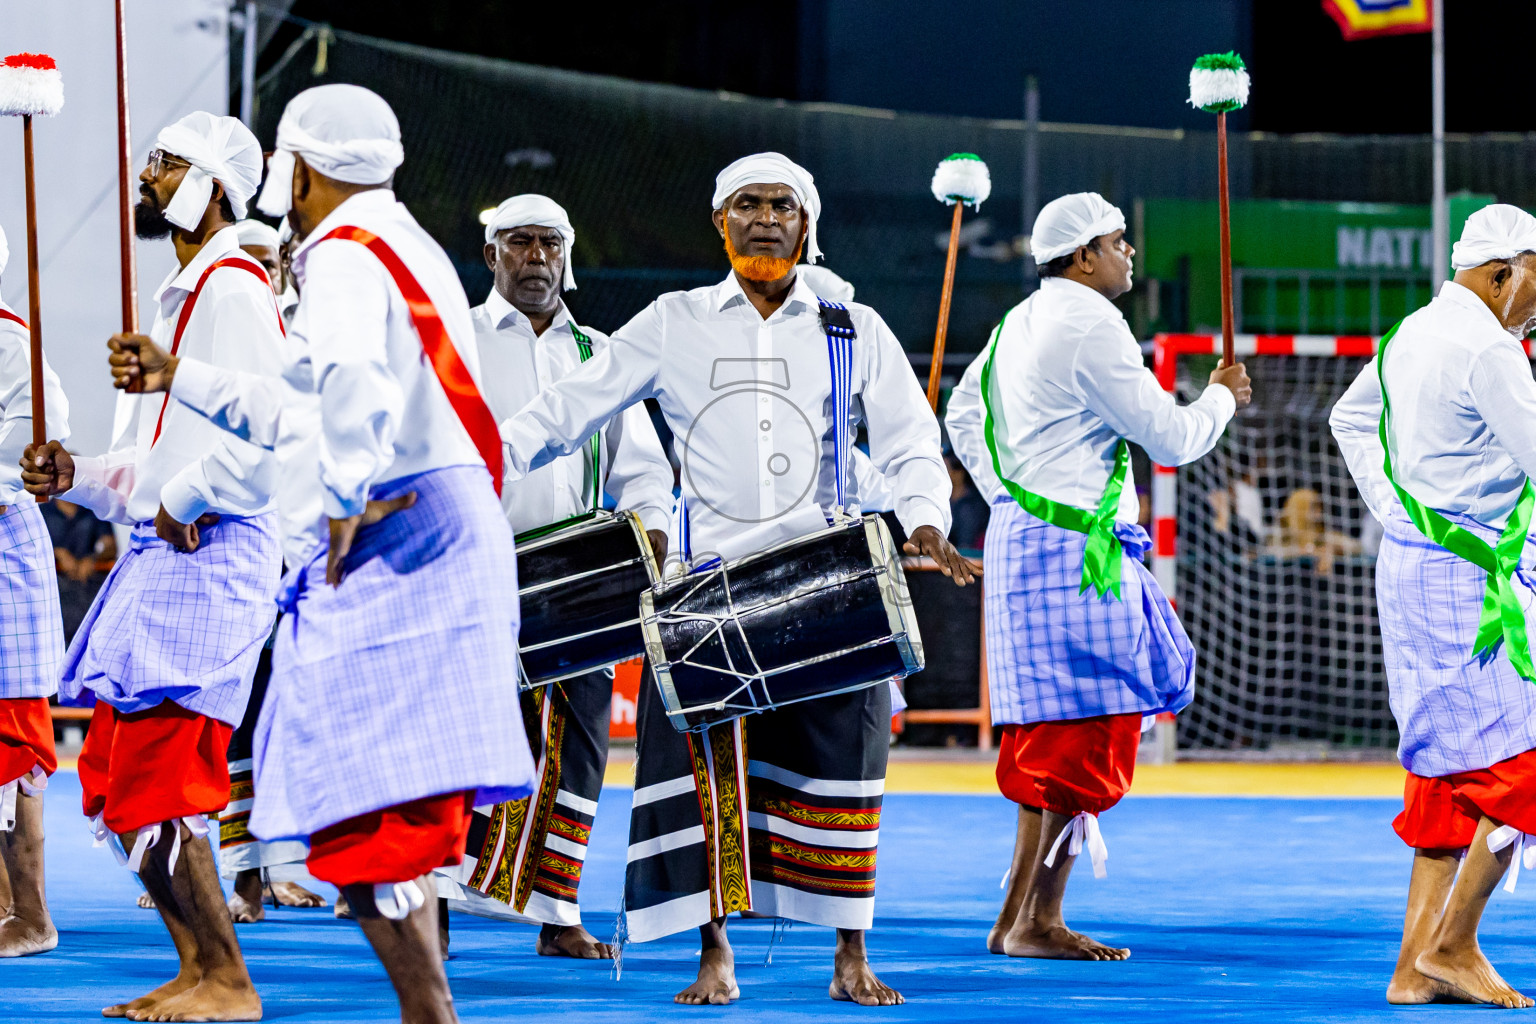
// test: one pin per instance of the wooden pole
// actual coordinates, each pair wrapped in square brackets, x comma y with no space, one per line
[949,288]
[1225,210]
[34,296]
[125,182]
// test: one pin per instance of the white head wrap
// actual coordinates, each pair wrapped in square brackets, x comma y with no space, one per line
[255,232]
[219,149]
[774,169]
[1496,232]
[826,284]
[531,209]
[1071,221]
[344,132]
[5,251]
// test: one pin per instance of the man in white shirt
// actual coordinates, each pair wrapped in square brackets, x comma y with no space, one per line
[741,372]
[1081,641]
[527,340]
[31,647]
[167,651]
[1439,431]
[393,708]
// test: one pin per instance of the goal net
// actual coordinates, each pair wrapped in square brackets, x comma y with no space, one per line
[1269,554]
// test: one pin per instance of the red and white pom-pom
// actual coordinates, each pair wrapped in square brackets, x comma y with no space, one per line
[30,84]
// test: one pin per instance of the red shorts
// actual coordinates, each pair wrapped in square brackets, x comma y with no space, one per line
[153,766]
[396,844]
[1442,813]
[1081,765]
[26,738]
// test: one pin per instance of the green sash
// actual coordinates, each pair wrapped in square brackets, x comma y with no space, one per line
[1101,556]
[594,450]
[1502,617]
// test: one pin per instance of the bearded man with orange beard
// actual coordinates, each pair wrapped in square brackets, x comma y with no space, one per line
[778,813]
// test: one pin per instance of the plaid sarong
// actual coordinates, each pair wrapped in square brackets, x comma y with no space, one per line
[1055,654]
[1455,711]
[31,628]
[402,682]
[177,625]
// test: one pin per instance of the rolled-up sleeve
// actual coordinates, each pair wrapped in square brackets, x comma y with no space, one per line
[1117,386]
[904,439]
[344,321]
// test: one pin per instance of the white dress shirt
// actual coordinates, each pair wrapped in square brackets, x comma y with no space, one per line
[749,402]
[1463,414]
[515,365]
[16,406]
[384,414]
[1070,383]
[191,469]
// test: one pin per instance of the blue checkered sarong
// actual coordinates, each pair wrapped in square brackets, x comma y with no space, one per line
[1054,654]
[31,630]
[177,625]
[401,683]
[1455,712]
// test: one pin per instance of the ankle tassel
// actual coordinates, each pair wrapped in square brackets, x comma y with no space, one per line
[1082,830]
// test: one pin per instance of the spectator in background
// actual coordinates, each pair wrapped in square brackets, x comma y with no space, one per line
[83,550]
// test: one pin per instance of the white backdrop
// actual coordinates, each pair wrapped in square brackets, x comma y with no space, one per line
[178,60]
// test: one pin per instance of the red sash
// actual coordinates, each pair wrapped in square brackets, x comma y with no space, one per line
[452,374]
[245,263]
[6,314]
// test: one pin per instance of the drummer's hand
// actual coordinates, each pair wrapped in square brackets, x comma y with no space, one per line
[658,546]
[343,531]
[179,535]
[139,365]
[926,540]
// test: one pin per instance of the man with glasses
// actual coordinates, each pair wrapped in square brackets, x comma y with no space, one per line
[167,652]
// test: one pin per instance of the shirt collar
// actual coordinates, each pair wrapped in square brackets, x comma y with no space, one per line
[1071,290]
[223,243]
[374,200]
[1461,296]
[729,293]
[502,314]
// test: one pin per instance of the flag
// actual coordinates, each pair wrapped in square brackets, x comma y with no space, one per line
[1364,19]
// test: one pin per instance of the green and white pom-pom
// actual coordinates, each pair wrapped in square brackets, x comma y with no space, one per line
[962,178]
[1218,83]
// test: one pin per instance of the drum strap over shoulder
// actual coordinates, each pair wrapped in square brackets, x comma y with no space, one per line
[838,326]
[594,446]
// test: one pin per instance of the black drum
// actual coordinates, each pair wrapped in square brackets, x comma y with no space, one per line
[819,615]
[579,585]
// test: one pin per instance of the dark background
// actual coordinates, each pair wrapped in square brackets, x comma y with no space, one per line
[1106,62]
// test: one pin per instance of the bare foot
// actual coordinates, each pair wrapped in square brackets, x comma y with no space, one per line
[146,901]
[571,940]
[174,987]
[243,911]
[1058,942]
[1410,988]
[343,908]
[20,937]
[1468,974]
[995,938]
[853,980]
[716,985]
[208,1000]
[292,894]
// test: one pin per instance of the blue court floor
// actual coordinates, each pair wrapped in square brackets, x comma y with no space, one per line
[1235,909]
